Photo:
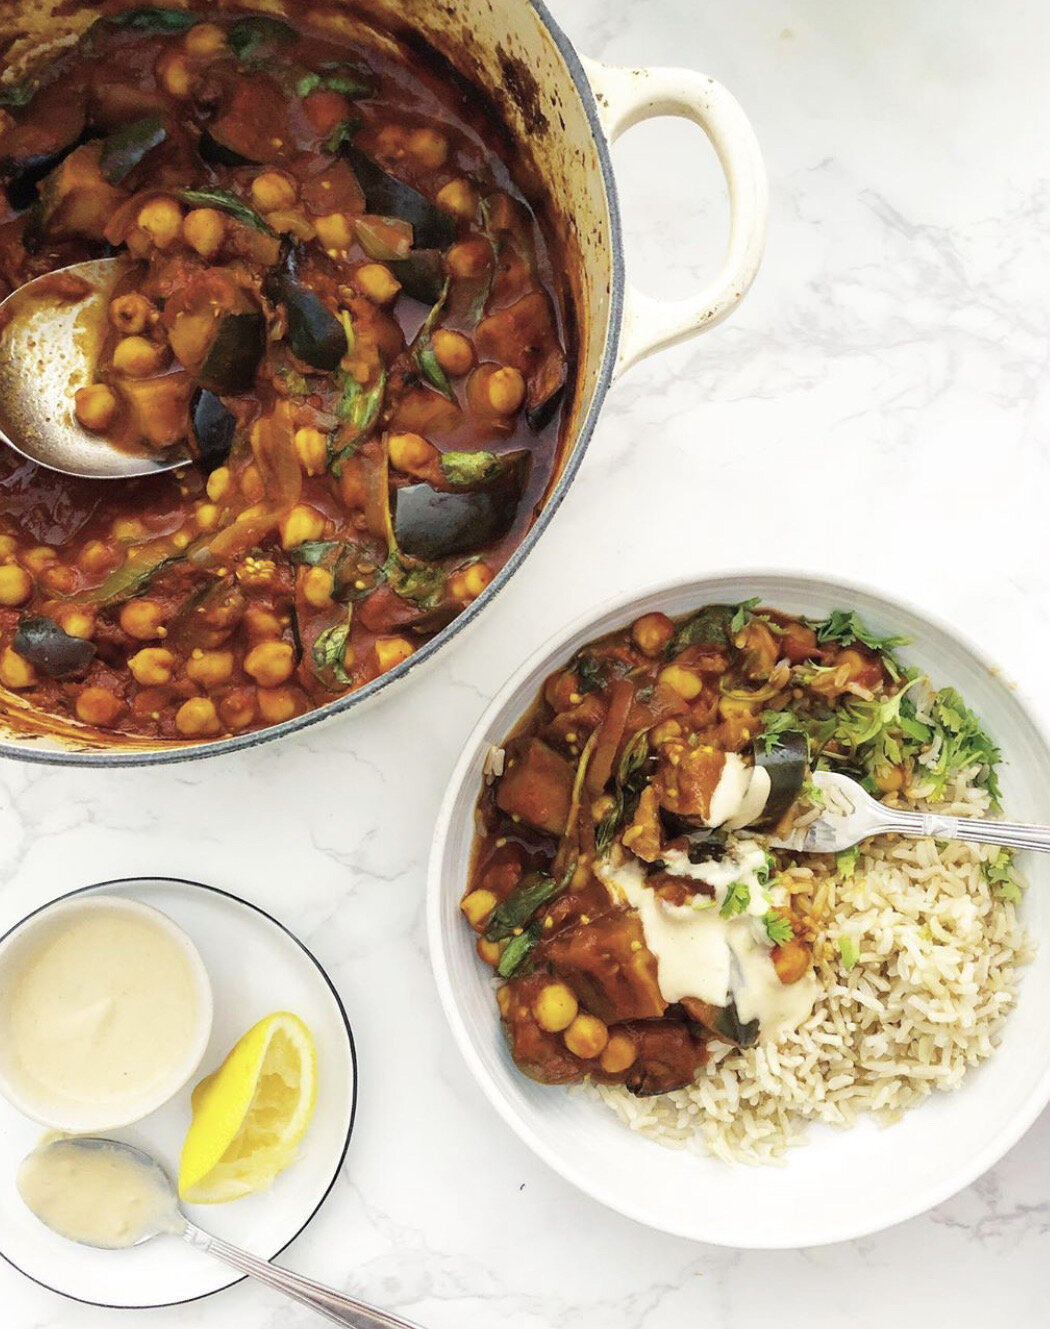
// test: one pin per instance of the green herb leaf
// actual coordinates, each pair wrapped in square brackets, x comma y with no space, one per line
[253,34]
[709,626]
[1001,876]
[359,410]
[428,365]
[846,862]
[125,147]
[18,94]
[314,552]
[335,78]
[590,670]
[744,614]
[778,928]
[153,18]
[737,899]
[342,133]
[227,202]
[469,468]
[531,893]
[412,579]
[775,724]
[845,627]
[849,951]
[328,654]
[517,952]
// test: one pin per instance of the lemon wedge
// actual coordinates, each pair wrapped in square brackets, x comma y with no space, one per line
[250,1115]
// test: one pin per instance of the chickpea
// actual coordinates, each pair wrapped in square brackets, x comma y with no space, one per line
[458,197]
[682,681]
[161,219]
[207,515]
[270,663]
[586,1037]
[14,671]
[317,588]
[652,633]
[468,583]
[261,624]
[503,1000]
[411,453]
[197,718]
[152,666]
[210,668]
[95,406]
[505,389]
[377,283]
[204,229]
[272,191]
[136,358]
[220,482]
[143,619]
[130,314]
[8,546]
[98,706]
[277,704]
[128,529]
[790,960]
[252,486]
[453,351]
[97,556]
[16,585]
[469,258]
[555,1007]
[477,906]
[59,579]
[312,447]
[391,651]
[204,40]
[334,230]
[77,622]
[173,73]
[429,147]
[301,524]
[39,557]
[488,951]
[890,779]
[237,708]
[620,1052]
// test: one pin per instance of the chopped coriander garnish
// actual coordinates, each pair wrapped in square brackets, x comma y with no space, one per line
[774,725]
[999,873]
[778,929]
[846,862]
[737,899]
[849,951]
[743,614]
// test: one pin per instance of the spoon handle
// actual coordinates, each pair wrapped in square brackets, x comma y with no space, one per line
[325,1300]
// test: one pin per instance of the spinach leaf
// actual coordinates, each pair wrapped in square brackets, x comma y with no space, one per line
[709,626]
[18,94]
[125,147]
[531,893]
[359,410]
[412,579]
[153,18]
[591,672]
[518,951]
[328,654]
[256,33]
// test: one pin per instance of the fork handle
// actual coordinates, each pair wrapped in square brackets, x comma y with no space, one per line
[326,1301]
[930,825]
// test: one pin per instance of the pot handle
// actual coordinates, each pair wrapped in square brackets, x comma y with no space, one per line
[625,97]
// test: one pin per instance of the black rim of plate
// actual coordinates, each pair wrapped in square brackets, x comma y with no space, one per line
[113,884]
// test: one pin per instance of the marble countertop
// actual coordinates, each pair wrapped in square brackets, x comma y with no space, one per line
[877,407]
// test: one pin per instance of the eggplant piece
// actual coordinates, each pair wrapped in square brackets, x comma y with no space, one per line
[125,148]
[421,274]
[786,767]
[49,648]
[213,428]
[387,196]
[216,153]
[315,335]
[722,1021]
[430,523]
[233,357]
[704,844]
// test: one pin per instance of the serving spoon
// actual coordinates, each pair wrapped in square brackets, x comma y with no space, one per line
[861,816]
[167,1219]
[49,342]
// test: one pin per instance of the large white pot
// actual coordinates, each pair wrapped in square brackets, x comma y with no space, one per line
[564,112]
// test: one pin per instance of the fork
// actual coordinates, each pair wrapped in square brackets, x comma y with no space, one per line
[833,831]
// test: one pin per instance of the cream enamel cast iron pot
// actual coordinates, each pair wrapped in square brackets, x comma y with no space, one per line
[567,110]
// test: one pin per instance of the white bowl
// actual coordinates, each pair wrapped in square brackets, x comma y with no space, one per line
[841,1184]
[66,1114]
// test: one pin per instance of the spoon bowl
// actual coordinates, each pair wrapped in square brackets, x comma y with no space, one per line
[50,335]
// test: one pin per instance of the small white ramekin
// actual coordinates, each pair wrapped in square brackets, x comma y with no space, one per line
[68,1115]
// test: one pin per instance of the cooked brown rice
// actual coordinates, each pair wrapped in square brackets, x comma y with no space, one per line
[935,977]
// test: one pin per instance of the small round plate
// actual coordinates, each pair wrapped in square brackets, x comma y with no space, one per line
[256,966]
